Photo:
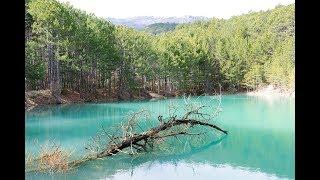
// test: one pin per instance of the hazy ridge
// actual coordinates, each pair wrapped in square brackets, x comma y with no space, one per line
[141,22]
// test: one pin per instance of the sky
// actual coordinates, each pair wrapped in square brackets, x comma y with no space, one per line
[168,8]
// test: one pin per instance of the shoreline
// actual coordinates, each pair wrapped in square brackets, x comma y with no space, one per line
[43,97]
[36,98]
[272,92]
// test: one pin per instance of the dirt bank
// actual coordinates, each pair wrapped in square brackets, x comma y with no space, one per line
[44,97]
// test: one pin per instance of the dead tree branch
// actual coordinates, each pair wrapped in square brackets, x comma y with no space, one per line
[134,141]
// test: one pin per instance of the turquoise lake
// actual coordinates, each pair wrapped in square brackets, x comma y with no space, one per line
[260,143]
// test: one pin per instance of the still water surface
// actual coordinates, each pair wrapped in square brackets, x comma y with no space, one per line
[260,144]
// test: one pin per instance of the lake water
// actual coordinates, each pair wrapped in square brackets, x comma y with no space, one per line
[260,143]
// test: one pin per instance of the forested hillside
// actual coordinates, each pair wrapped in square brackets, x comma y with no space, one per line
[68,49]
[159,28]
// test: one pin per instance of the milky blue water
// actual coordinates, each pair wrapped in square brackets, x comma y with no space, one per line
[260,143]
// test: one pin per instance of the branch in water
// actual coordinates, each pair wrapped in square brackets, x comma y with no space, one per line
[152,133]
[142,141]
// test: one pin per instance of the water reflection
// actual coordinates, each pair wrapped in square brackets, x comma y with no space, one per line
[260,144]
[190,171]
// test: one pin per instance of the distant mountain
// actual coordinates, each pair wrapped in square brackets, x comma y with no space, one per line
[158,28]
[141,22]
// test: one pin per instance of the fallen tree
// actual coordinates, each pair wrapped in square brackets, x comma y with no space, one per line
[132,139]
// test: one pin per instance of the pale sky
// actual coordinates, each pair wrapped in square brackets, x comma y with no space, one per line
[166,8]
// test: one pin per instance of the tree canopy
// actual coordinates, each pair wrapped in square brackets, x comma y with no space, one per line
[67,48]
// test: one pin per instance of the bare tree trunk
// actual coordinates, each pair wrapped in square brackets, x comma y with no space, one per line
[170,86]
[82,81]
[165,84]
[120,82]
[158,85]
[153,133]
[93,77]
[144,82]
[144,140]
[115,77]
[208,86]
[54,73]
[152,85]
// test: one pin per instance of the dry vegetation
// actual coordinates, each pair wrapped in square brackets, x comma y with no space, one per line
[50,158]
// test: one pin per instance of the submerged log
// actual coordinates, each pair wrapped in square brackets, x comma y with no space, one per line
[145,136]
[144,140]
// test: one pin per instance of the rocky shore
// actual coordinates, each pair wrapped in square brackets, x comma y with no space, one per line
[272,91]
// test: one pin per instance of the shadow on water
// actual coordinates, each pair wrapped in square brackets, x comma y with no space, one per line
[262,138]
[194,150]
[175,158]
[128,163]
[109,166]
